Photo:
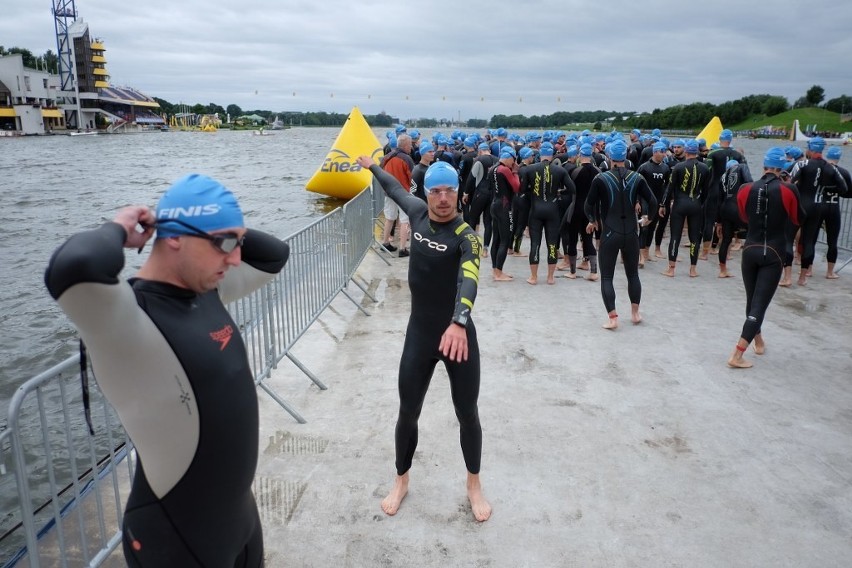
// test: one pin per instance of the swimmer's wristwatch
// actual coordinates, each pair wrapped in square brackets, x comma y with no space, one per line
[461,320]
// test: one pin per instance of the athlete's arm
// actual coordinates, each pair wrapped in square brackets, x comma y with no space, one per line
[407,202]
[454,340]
[644,191]
[263,256]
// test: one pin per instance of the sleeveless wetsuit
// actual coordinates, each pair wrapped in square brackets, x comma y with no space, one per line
[766,205]
[812,177]
[688,188]
[173,365]
[443,275]
[546,182]
[615,194]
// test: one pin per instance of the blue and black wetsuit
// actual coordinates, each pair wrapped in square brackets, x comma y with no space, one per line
[173,365]
[812,177]
[615,193]
[688,186]
[443,276]
[766,205]
[546,183]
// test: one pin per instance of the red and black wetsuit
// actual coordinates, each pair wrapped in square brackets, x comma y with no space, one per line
[765,205]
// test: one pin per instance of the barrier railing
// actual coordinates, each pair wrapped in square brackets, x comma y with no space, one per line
[71,486]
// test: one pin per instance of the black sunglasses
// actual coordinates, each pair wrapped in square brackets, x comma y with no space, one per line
[226,242]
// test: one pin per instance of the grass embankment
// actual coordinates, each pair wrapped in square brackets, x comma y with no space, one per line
[824,120]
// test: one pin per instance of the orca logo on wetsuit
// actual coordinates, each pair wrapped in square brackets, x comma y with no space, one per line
[430,243]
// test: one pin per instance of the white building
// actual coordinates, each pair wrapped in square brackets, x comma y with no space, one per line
[28,99]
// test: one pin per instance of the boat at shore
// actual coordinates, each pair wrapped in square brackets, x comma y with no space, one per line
[798,136]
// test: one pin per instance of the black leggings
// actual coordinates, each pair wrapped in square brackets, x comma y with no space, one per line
[544,214]
[480,206]
[521,216]
[501,217]
[660,224]
[691,212]
[711,213]
[576,229]
[611,245]
[831,218]
[810,233]
[762,268]
[419,357]
[730,225]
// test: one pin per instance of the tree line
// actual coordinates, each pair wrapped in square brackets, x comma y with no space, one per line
[693,115]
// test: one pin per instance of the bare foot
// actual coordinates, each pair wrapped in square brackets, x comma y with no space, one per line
[478,504]
[736,246]
[551,280]
[702,256]
[570,275]
[532,280]
[832,276]
[391,503]
[668,272]
[642,263]
[810,272]
[612,323]
[803,280]
[563,266]
[504,278]
[725,274]
[636,317]
[593,277]
[583,266]
[785,282]
[759,346]
[659,254]
[739,363]
[651,259]
[484,253]
[693,272]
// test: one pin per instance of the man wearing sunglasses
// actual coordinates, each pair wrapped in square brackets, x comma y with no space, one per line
[170,360]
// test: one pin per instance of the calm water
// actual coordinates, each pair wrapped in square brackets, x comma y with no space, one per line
[52,187]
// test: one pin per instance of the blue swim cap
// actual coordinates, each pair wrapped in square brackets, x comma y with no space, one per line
[393,142]
[425,147]
[440,174]
[400,129]
[507,152]
[656,132]
[775,158]
[586,150]
[659,147]
[816,144]
[833,153]
[726,135]
[573,150]
[483,147]
[470,142]
[501,131]
[701,142]
[715,146]
[730,164]
[546,149]
[415,134]
[525,153]
[618,150]
[199,201]
[794,152]
[691,147]
[679,142]
[636,132]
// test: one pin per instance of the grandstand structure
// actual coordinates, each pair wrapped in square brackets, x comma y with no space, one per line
[85,92]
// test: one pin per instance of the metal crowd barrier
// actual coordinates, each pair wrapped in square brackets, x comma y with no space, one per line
[844,240]
[72,486]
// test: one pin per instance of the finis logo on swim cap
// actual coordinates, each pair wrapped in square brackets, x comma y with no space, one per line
[200,201]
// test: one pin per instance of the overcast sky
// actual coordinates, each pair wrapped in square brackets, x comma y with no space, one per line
[470,59]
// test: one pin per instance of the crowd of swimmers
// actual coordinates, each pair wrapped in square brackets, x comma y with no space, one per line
[539,184]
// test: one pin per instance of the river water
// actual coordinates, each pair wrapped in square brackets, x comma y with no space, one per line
[52,187]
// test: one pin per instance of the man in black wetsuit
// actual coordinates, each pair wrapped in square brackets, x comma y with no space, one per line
[766,205]
[831,211]
[729,222]
[443,277]
[717,161]
[171,361]
[546,182]
[582,177]
[811,177]
[427,155]
[615,194]
[656,172]
[684,199]
[477,194]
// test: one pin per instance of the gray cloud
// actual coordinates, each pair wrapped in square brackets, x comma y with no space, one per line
[473,59]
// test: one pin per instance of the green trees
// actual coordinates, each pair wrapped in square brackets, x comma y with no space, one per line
[841,104]
[815,95]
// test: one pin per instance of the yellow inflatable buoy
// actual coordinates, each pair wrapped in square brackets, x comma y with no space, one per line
[711,131]
[340,175]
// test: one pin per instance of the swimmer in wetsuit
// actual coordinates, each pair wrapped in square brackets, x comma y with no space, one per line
[766,205]
[443,277]
[729,222]
[170,359]
[831,211]
[656,172]
[684,199]
[615,193]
